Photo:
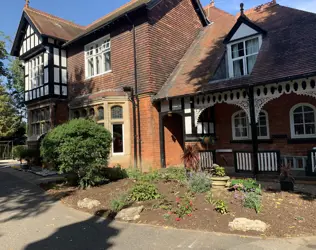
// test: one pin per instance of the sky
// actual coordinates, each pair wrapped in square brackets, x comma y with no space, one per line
[86,11]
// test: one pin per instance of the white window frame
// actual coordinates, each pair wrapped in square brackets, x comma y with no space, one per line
[230,56]
[293,135]
[36,72]
[97,44]
[123,134]
[237,138]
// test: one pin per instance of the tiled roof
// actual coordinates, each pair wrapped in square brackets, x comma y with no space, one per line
[53,26]
[287,52]
[131,5]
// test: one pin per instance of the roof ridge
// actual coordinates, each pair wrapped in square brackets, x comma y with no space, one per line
[261,7]
[111,13]
[56,18]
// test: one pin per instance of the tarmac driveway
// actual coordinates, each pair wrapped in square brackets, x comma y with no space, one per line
[31,220]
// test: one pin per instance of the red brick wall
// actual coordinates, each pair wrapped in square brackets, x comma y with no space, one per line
[61,113]
[174,26]
[279,124]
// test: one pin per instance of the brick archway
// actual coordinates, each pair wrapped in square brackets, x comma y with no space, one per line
[173,139]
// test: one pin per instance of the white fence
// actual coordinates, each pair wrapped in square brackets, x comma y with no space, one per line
[206,160]
[268,161]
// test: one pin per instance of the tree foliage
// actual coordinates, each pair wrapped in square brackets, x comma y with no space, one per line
[79,146]
[9,118]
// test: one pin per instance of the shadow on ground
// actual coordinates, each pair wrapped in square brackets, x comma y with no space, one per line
[93,233]
[19,199]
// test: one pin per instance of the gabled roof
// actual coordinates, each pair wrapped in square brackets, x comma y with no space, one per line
[53,26]
[287,52]
[45,25]
[243,19]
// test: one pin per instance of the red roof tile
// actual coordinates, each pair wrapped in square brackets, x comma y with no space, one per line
[53,26]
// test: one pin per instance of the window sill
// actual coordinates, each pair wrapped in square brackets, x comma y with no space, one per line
[260,141]
[104,73]
[301,140]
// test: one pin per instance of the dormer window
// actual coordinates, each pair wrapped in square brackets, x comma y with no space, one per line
[243,55]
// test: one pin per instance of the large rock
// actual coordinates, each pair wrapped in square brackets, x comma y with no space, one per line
[243,224]
[130,214]
[88,203]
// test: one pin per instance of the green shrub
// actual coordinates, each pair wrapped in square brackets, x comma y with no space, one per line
[184,206]
[219,171]
[114,174]
[199,183]
[18,152]
[119,203]
[221,207]
[134,173]
[144,191]
[246,185]
[173,173]
[80,146]
[209,197]
[253,200]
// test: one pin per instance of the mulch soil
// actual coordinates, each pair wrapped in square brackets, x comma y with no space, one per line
[287,214]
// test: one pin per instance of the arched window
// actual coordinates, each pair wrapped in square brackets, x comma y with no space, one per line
[241,126]
[91,112]
[76,114]
[83,113]
[303,121]
[116,112]
[100,113]
[206,122]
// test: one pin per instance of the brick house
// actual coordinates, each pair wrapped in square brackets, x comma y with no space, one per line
[162,74]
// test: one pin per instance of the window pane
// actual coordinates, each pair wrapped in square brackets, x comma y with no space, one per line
[251,60]
[299,129]
[252,46]
[298,118]
[310,129]
[99,64]
[298,110]
[238,50]
[107,61]
[83,113]
[117,112]
[118,138]
[262,119]
[238,68]
[100,113]
[308,109]
[309,117]
[262,131]
[91,112]
[90,67]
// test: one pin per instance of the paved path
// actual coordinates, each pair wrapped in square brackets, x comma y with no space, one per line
[31,220]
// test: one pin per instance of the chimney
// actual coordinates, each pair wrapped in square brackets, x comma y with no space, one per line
[27,3]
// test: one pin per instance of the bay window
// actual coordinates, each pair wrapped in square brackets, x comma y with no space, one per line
[98,57]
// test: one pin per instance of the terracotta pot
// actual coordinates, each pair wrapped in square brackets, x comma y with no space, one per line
[219,182]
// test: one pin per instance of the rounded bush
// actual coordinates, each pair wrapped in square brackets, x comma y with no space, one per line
[80,147]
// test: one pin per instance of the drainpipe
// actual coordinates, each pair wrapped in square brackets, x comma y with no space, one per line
[136,91]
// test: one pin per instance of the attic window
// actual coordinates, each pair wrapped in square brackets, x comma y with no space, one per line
[243,55]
